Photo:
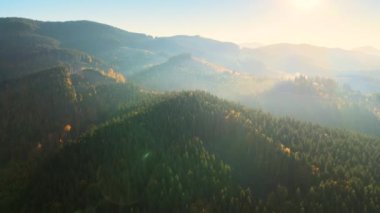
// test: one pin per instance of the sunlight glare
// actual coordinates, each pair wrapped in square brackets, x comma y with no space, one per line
[306,4]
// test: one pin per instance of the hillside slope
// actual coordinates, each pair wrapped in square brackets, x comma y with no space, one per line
[41,111]
[23,50]
[186,72]
[193,152]
[34,109]
[115,47]
[323,101]
[312,60]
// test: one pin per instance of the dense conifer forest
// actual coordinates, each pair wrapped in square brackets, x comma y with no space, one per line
[79,135]
[187,152]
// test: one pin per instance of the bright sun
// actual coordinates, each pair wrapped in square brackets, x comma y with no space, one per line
[306,4]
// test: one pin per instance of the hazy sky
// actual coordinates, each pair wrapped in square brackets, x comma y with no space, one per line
[333,23]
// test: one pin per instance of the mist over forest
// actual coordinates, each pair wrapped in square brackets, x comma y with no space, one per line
[95,118]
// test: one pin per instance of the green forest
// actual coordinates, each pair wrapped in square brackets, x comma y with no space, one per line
[181,152]
[81,130]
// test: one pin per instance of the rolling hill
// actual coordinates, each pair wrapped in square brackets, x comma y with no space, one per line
[188,62]
[77,134]
[312,60]
[43,110]
[94,45]
[33,110]
[24,51]
[323,101]
[194,152]
[186,72]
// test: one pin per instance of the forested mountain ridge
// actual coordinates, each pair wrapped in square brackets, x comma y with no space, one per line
[115,46]
[252,78]
[186,72]
[24,51]
[45,109]
[306,99]
[194,152]
[41,101]
[82,137]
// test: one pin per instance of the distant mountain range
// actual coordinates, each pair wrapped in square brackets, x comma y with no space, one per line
[92,120]
[251,76]
[186,72]
[368,50]
[130,52]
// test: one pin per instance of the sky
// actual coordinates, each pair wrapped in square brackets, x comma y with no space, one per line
[331,23]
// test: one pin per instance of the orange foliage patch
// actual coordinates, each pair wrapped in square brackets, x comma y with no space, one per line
[67,128]
[115,75]
[286,150]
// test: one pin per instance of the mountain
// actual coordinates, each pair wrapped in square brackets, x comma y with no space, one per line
[43,110]
[24,51]
[90,44]
[186,72]
[27,118]
[312,60]
[358,68]
[194,152]
[302,97]
[94,45]
[368,50]
[184,62]
[323,101]
[81,137]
